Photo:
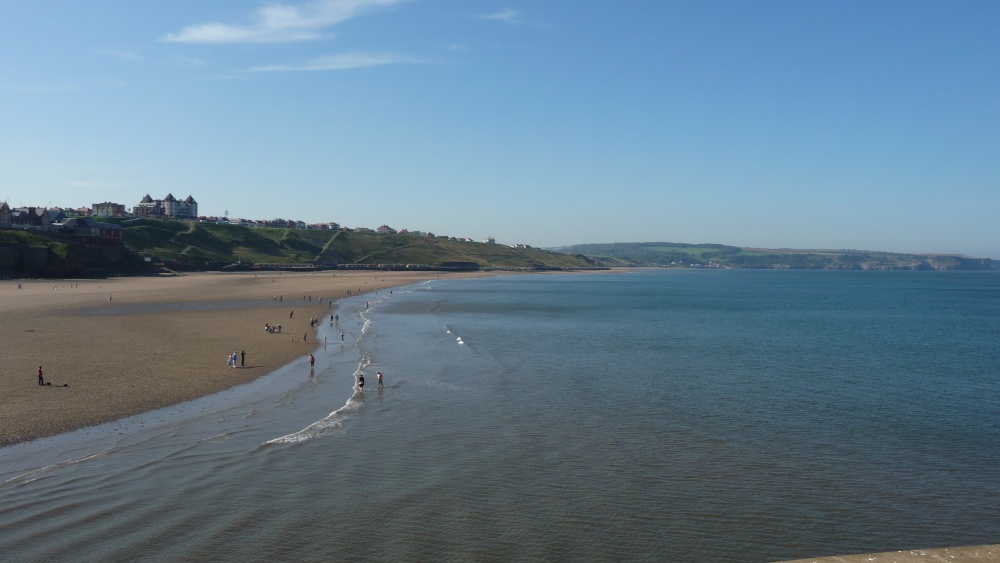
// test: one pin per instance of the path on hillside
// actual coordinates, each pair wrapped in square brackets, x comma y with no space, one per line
[326,247]
[190,230]
[374,254]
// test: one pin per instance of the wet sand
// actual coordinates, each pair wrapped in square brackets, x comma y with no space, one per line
[952,554]
[129,345]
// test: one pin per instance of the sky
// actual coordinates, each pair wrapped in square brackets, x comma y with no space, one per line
[779,124]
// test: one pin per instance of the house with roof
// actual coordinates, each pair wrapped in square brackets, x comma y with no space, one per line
[88,231]
[108,209]
[29,218]
[167,208]
[385,230]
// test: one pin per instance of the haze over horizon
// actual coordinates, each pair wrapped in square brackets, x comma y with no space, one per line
[823,125]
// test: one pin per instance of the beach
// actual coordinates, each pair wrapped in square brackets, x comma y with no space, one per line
[656,415]
[112,348]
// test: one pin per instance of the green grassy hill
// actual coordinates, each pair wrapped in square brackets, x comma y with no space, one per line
[205,245]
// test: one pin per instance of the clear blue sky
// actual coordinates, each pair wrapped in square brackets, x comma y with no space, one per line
[800,124]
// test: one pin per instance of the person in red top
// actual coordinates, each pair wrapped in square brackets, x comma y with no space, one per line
[41,381]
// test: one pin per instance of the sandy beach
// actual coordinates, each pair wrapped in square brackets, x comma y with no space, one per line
[113,348]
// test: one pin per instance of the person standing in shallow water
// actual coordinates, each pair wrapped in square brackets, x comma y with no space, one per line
[378,376]
[312,360]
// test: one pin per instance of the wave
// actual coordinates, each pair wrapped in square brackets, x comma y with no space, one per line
[458,338]
[365,346]
[36,473]
[325,425]
[335,420]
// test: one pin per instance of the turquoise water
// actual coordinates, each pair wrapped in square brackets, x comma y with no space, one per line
[658,415]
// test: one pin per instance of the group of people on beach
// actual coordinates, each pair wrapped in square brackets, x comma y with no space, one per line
[272,329]
[361,379]
[234,357]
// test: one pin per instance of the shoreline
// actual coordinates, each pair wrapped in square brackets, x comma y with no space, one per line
[989,552]
[127,346]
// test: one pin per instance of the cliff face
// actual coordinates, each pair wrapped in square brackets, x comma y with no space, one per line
[960,263]
[941,262]
[72,261]
[29,260]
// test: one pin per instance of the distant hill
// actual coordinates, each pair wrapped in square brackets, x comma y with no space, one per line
[179,245]
[721,256]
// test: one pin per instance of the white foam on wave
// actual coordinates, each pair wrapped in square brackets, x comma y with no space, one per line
[335,419]
[36,473]
[322,426]
[457,338]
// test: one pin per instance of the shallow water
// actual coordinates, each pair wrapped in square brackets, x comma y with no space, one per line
[692,415]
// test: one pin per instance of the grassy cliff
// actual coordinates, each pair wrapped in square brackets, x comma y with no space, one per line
[201,245]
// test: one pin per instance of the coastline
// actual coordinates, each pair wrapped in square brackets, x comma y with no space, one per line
[391,443]
[964,553]
[114,348]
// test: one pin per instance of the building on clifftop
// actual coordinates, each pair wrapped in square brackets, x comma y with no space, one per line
[167,208]
[108,209]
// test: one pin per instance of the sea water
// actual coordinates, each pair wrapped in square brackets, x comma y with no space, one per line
[659,415]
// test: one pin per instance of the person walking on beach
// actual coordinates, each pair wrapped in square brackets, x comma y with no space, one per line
[243,357]
[378,376]
[292,314]
[304,336]
[41,380]
[341,336]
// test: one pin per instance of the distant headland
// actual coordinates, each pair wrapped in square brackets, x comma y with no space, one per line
[680,255]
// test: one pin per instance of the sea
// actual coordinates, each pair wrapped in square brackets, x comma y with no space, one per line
[654,415]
